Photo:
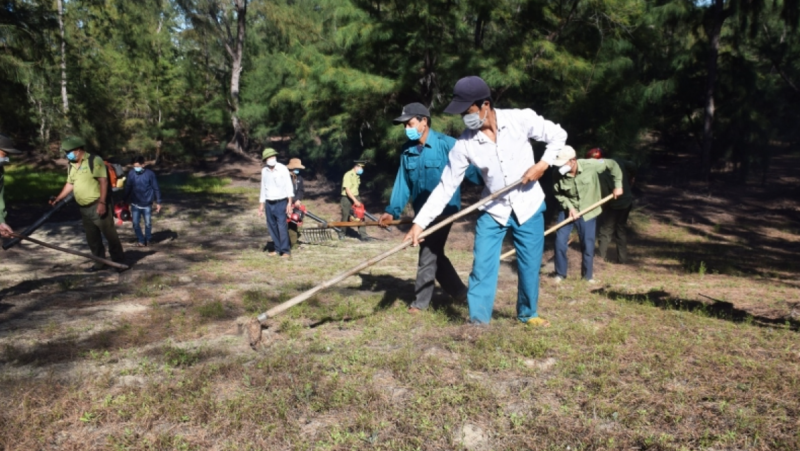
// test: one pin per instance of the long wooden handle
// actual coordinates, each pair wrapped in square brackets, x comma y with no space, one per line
[363,223]
[565,222]
[341,276]
[70,251]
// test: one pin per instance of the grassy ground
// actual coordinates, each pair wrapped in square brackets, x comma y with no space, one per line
[693,345]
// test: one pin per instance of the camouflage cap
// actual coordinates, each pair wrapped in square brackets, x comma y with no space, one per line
[268,152]
[71,143]
[7,145]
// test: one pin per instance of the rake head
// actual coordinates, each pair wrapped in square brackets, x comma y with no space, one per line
[313,235]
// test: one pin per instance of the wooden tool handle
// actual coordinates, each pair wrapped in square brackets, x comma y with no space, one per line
[309,293]
[363,223]
[70,251]
[565,222]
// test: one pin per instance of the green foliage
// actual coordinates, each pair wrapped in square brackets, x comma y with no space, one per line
[25,184]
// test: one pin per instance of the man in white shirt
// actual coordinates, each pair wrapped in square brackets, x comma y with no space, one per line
[276,198]
[497,142]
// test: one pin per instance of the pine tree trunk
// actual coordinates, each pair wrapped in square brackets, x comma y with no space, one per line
[715,29]
[64,99]
[237,143]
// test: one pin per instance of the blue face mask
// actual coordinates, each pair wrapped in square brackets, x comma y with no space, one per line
[413,134]
[71,156]
[359,171]
[296,171]
[139,169]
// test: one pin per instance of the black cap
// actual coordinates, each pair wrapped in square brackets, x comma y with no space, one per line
[412,110]
[468,90]
[361,162]
[7,145]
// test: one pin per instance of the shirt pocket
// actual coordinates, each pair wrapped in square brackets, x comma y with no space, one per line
[433,171]
[412,169]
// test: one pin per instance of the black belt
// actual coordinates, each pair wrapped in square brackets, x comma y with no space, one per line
[275,201]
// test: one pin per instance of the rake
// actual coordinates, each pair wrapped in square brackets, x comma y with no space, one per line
[254,328]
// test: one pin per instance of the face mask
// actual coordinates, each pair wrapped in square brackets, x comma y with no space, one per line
[359,172]
[71,156]
[271,162]
[413,134]
[139,170]
[564,169]
[473,121]
[296,171]
[4,161]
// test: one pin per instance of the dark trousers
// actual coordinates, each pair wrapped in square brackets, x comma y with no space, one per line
[294,233]
[434,265]
[276,224]
[346,205]
[613,223]
[96,227]
[586,233]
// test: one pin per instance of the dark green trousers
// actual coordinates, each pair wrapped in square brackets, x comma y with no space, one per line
[346,206]
[294,234]
[613,223]
[96,227]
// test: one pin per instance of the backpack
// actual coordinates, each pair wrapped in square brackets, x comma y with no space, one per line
[114,171]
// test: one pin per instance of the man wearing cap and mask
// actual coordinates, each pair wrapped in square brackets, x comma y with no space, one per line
[496,141]
[350,184]
[577,186]
[6,149]
[276,201]
[87,179]
[423,158]
[294,167]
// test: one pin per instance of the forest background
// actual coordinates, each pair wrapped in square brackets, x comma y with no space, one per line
[180,80]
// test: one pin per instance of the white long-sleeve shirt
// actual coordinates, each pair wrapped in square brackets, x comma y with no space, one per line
[501,164]
[276,183]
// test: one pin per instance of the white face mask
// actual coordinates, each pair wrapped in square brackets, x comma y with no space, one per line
[271,162]
[565,169]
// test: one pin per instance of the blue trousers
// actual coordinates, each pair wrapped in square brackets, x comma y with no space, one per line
[586,233]
[529,242]
[275,212]
[136,214]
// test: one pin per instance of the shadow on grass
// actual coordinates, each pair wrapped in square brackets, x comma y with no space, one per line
[718,309]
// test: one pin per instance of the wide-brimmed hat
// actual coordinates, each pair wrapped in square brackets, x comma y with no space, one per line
[564,155]
[295,163]
[467,91]
[412,110]
[71,143]
[268,152]
[7,145]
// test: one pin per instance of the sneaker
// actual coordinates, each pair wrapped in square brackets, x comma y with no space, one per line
[366,239]
[557,279]
[591,282]
[272,254]
[538,322]
[414,311]
[286,255]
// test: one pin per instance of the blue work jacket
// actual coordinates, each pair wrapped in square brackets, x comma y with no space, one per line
[421,168]
[142,188]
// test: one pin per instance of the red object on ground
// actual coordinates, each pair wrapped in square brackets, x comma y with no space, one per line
[122,212]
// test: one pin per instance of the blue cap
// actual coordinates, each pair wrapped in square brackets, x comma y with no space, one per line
[467,91]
